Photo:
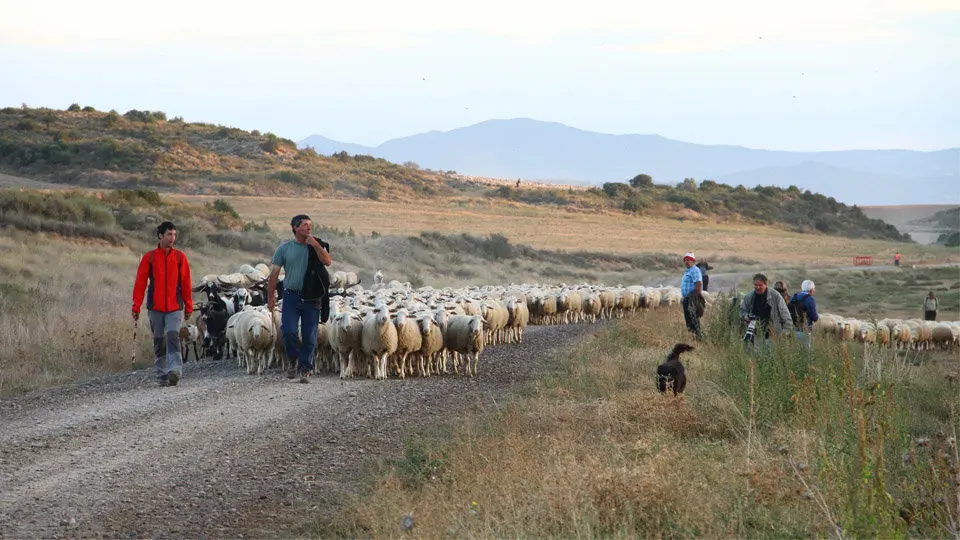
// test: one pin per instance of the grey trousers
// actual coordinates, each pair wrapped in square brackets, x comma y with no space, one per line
[166,331]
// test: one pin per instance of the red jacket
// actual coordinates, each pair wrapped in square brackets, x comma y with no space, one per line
[169,280]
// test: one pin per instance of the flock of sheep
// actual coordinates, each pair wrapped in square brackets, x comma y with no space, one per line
[393,329]
[903,334]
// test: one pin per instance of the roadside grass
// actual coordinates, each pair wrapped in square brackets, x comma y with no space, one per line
[837,441]
[571,230]
[66,308]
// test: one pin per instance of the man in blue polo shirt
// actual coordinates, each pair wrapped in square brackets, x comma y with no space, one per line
[296,313]
[691,287]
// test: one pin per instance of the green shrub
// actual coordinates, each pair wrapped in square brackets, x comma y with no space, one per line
[224,206]
[617,189]
[112,119]
[641,181]
[636,203]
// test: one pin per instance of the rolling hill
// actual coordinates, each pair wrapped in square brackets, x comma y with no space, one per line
[82,147]
[549,151]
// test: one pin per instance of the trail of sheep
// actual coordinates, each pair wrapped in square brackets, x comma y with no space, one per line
[224,454]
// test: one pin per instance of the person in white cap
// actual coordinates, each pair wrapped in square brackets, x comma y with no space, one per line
[691,287]
[806,309]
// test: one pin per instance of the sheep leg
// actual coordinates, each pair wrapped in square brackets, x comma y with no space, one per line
[349,371]
[383,366]
[403,366]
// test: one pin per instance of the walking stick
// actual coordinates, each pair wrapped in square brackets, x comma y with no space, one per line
[133,358]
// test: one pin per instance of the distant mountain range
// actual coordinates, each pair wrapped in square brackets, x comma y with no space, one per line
[553,152]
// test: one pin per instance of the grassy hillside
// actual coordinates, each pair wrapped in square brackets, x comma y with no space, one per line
[88,148]
[85,147]
[558,229]
[790,208]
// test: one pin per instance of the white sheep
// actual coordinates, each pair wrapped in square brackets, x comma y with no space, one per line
[519,317]
[255,335]
[343,333]
[463,336]
[378,340]
[409,341]
[431,348]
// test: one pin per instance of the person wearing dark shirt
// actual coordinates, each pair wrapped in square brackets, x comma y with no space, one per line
[705,267]
[767,307]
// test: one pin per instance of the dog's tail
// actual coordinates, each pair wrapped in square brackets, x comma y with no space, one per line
[680,348]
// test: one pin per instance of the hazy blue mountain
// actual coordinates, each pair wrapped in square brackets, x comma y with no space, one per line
[535,150]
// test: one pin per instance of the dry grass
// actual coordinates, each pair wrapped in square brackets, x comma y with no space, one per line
[558,229]
[66,309]
[594,451]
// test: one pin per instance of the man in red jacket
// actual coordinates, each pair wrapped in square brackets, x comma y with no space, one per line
[169,300]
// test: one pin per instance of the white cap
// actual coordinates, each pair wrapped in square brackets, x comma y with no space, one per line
[807,285]
[690,256]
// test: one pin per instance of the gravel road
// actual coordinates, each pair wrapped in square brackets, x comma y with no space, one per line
[224,454]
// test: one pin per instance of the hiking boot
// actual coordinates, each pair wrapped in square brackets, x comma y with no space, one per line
[173,378]
[304,377]
[163,380]
[292,372]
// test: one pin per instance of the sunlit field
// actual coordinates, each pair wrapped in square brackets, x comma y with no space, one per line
[558,229]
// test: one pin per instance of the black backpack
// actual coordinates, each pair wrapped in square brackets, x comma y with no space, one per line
[316,282]
[797,312]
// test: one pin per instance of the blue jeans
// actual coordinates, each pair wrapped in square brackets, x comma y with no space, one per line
[690,317]
[805,338]
[308,315]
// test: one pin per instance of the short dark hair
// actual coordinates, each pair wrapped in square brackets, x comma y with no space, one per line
[297,220]
[760,277]
[164,227]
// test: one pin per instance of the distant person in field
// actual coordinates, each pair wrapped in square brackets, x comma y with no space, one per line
[896,259]
[691,288]
[930,305]
[782,288]
[805,306]
[164,278]
[767,306]
[705,267]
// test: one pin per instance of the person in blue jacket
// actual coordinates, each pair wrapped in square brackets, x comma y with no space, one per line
[806,308]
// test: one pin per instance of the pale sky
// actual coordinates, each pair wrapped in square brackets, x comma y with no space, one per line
[807,75]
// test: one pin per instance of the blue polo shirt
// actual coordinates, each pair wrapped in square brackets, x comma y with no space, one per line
[293,257]
[689,282]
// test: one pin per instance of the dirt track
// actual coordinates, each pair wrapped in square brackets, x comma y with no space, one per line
[224,454]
